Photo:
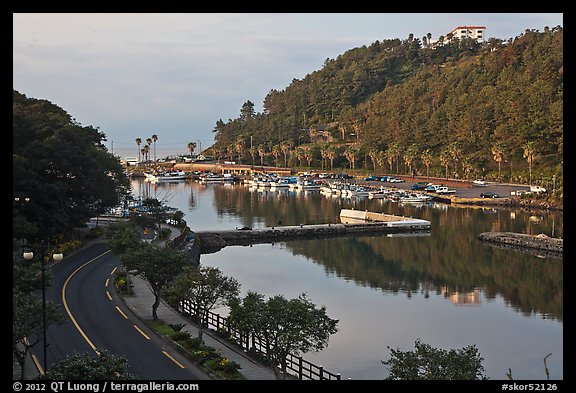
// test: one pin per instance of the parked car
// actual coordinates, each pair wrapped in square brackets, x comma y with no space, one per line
[395,180]
[371,178]
[489,194]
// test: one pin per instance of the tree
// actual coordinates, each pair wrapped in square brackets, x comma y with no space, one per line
[239,147]
[206,287]
[154,139]
[90,367]
[276,154]
[445,159]
[428,363]
[138,143]
[286,327]
[27,322]
[331,154]
[498,152]
[247,110]
[286,146]
[426,157]
[456,154]
[157,265]
[350,155]
[373,154]
[261,152]
[148,144]
[529,154]
[62,167]
[191,147]
[409,156]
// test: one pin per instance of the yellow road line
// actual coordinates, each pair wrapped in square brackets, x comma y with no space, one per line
[120,311]
[113,270]
[68,308]
[108,294]
[174,360]
[141,332]
[106,283]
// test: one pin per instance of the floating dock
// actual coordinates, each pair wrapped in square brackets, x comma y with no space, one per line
[354,222]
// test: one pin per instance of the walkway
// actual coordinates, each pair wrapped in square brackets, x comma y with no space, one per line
[141,304]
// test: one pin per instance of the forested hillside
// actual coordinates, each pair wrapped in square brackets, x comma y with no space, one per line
[464,109]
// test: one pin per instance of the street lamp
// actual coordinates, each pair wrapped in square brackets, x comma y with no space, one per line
[28,255]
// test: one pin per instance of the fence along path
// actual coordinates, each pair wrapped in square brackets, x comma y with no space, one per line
[296,365]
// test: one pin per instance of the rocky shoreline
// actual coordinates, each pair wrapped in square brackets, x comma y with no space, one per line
[551,246]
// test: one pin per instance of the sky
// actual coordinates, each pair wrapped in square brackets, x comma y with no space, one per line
[175,75]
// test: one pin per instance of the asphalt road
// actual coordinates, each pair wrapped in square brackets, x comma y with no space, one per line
[82,285]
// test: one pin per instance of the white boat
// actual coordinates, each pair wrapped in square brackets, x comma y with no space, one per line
[283,182]
[171,176]
[307,185]
[415,197]
[217,178]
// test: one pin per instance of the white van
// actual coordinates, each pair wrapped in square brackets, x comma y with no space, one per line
[537,189]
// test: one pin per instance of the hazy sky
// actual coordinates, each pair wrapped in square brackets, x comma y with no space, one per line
[175,75]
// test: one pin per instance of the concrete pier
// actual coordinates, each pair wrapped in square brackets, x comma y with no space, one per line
[212,241]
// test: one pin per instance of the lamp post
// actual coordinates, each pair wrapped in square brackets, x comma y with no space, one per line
[28,255]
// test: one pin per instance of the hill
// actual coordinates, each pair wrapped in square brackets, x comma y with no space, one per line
[492,110]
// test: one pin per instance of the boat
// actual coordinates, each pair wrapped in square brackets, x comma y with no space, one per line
[171,176]
[307,185]
[216,178]
[414,197]
[283,182]
[165,176]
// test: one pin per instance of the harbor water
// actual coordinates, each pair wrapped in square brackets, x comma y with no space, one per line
[444,288]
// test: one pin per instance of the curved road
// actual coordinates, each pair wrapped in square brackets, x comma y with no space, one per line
[97,319]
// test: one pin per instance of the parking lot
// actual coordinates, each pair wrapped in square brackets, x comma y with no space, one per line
[463,189]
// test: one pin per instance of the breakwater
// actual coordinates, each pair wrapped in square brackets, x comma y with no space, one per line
[213,241]
[523,242]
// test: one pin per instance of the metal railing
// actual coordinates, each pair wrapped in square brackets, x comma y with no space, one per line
[296,365]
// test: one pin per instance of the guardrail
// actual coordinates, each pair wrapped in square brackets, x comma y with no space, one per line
[296,365]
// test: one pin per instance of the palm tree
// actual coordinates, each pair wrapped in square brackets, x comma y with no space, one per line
[300,154]
[192,147]
[456,154]
[331,155]
[276,153]
[239,146]
[261,152]
[498,156]
[390,154]
[324,152]
[529,154]
[409,155]
[373,154]
[148,143]
[145,151]
[394,150]
[350,154]
[445,158]
[138,143]
[426,158]
[286,146]
[154,139]
[467,166]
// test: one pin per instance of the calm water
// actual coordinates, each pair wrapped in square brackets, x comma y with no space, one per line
[445,288]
